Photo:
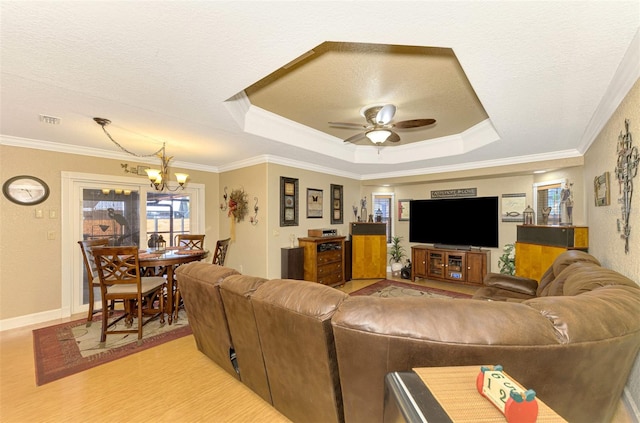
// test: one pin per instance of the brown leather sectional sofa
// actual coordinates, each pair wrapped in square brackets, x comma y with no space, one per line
[319,355]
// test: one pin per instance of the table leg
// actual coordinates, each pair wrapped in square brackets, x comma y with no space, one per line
[170,286]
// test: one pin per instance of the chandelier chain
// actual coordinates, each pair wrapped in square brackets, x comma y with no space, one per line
[131,152]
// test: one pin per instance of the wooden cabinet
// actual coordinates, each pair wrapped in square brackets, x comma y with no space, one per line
[369,250]
[292,263]
[538,246]
[449,265]
[323,259]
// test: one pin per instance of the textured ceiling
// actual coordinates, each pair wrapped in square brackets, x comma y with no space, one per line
[547,74]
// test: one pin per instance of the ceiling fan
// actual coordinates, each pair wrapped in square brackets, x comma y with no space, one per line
[379,127]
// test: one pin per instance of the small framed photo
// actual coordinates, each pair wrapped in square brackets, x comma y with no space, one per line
[403,209]
[288,201]
[601,189]
[336,204]
[314,203]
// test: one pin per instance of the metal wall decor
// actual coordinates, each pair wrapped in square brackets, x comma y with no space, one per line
[626,170]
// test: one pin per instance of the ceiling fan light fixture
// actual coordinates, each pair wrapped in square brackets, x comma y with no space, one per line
[378,136]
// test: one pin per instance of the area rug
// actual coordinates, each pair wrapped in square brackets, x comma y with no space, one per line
[388,288]
[69,348]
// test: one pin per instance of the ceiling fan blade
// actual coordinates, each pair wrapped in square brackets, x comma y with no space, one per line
[356,137]
[414,123]
[347,125]
[385,114]
[393,137]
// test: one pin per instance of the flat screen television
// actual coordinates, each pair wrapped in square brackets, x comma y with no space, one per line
[455,222]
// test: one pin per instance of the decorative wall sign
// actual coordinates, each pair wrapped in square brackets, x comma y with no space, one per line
[601,189]
[314,203]
[513,206]
[288,201]
[336,204]
[403,209]
[626,170]
[454,193]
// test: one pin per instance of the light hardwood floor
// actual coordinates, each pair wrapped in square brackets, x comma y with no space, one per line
[171,382]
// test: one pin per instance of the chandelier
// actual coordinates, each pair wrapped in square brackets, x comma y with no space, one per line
[157,177]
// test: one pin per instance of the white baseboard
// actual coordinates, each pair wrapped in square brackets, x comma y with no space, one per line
[32,319]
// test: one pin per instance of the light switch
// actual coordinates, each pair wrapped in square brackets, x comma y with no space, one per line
[51,235]
[39,214]
[53,214]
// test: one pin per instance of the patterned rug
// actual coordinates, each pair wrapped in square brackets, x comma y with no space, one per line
[69,348]
[389,288]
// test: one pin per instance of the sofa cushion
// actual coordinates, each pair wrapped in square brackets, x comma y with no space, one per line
[199,287]
[293,320]
[548,283]
[236,292]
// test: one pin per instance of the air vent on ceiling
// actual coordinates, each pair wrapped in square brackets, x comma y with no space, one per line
[51,120]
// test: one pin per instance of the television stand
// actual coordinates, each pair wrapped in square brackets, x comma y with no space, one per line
[449,265]
[453,247]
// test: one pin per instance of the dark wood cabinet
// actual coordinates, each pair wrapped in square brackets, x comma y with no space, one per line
[449,265]
[324,259]
[292,263]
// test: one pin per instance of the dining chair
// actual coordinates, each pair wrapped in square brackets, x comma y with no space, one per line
[119,274]
[220,253]
[192,241]
[93,281]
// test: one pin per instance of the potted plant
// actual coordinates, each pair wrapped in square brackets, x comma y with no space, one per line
[396,254]
[507,260]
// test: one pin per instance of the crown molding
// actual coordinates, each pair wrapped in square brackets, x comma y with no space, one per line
[626,75]
[509,161]
[94,152]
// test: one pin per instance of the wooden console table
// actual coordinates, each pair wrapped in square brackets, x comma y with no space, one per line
[463,266]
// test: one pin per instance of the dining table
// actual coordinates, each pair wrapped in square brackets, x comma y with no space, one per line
[159,263]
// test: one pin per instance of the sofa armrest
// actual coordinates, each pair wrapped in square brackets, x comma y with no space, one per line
[512,283]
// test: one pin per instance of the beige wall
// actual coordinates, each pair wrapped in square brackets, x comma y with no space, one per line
[30,264]
[279,237]
[247,247]
[604,240]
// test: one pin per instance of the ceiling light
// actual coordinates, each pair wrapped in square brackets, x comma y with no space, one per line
[378,136]
[158,177]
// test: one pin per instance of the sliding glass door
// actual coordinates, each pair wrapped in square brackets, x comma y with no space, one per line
[125,211]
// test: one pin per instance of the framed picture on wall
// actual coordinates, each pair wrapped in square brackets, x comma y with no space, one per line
[601,189]
[314,203]
[288,201]
[336,204]
[403,209]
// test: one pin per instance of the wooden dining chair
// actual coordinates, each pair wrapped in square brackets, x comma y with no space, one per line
[119,275]
[192,241]
[93,281]
[220,254]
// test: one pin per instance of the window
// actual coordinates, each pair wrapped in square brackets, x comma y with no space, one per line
[383,207]
[546,197]
[168,215]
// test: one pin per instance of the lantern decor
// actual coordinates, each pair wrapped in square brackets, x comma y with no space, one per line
[161,244]
[238,209]
[528,215]
[378,216]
